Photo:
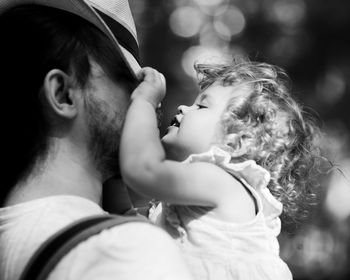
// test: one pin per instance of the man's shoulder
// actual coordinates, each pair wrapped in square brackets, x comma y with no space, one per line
[131,250]
[136,231]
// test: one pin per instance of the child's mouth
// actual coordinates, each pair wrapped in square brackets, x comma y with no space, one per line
[175,122]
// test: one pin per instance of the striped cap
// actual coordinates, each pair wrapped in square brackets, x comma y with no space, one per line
[112,17]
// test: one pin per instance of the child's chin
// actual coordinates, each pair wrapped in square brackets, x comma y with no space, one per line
[166,143]
[167,136]
[171,129]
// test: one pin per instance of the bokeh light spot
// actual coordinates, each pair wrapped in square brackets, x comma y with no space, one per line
[229,21]
[288,12]
[331,87]
[186,21]
[209,7]
[201,54]
[283,49]
[208,3]
[338,195]
[209,37]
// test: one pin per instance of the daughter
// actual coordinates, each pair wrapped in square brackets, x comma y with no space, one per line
[225,168]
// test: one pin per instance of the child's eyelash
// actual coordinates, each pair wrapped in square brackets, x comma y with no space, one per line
[201,106]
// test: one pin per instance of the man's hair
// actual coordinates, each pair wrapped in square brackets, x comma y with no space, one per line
[34,40]
[276,131]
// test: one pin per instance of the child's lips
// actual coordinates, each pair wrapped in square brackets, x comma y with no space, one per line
[174,122]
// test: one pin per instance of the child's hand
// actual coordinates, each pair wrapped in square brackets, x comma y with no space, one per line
[152,87]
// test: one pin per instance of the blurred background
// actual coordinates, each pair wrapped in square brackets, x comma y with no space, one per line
[310,39]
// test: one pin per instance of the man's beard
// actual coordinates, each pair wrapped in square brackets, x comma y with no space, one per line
[104,131]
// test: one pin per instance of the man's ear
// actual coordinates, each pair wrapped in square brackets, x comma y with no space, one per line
[59,94]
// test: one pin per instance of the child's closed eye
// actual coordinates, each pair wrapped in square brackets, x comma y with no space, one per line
[200,106]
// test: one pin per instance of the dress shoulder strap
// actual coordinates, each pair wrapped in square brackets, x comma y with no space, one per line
[57,246]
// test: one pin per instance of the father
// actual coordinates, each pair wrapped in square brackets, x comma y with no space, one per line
[67,70]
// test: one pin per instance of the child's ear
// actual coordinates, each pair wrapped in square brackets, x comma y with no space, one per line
[59,94]
[239,152]
[237,144]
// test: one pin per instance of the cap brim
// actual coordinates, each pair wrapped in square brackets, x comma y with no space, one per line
[86,11]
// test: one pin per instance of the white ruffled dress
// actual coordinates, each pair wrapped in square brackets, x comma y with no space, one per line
[220,250]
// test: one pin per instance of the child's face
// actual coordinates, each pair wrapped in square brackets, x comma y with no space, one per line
[195,128]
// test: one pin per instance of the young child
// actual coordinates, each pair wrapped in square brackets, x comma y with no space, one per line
[225,167]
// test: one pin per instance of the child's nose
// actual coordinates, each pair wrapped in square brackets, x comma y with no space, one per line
[182,109]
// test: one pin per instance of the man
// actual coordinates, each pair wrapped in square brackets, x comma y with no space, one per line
[67,71]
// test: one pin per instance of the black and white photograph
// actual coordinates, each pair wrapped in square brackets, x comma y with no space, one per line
[175,140]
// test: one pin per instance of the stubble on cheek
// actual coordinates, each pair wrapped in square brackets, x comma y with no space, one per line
[104,125]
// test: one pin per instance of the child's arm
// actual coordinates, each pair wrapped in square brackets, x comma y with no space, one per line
[142,158]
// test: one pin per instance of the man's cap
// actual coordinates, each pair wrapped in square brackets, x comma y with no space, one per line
[112,17]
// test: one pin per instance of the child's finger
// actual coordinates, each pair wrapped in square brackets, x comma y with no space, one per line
[148,73]
[140,76]
[151,75]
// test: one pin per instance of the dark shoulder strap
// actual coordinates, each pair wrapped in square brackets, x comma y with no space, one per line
[56,247]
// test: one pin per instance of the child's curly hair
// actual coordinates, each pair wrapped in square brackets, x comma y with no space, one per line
[271,128]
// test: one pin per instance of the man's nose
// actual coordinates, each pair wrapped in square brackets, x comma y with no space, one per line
[183,109]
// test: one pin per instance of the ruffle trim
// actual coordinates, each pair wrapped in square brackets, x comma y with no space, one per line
[253,176]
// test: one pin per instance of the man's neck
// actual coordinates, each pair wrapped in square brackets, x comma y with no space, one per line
[67,170]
